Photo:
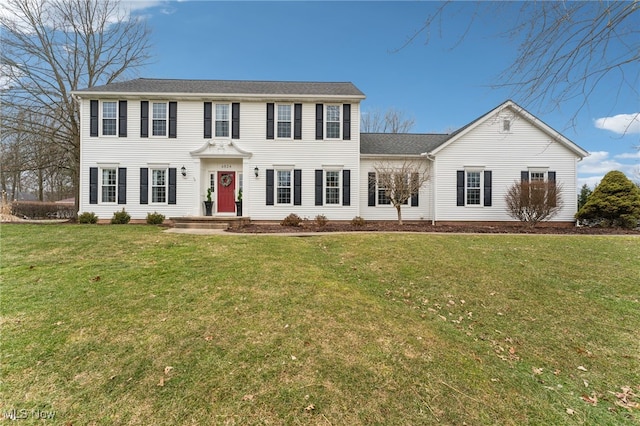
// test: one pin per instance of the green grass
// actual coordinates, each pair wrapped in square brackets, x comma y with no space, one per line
[128,325]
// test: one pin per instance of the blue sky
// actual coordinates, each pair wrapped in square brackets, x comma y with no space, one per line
[443,85]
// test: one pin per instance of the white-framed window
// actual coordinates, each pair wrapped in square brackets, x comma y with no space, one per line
[332,187]
[333,123]
[473,187]
[159,119]
[109,184]
[222,120]
[283,120]
[283,186]
[382,198]
[109,118]
[158,185]
[537,176]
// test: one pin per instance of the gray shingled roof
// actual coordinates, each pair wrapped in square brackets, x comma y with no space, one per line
[238,87]
[399,143]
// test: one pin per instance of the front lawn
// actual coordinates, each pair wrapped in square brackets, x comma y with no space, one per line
[125,325]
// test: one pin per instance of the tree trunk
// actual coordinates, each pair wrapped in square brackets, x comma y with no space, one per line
[399,210]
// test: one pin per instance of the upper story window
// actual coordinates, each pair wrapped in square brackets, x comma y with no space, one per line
[222,120]
[109,118]
[283,187]
[333,122]
[158,185]
[109,184]
[506,125]
[284,121]
[159,119]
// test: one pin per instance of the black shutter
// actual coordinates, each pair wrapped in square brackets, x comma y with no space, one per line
[122,185]
[415,201]
[144,119]
[460,188]
[172,185]
[235,120]
[207,119]
[173,119]
[551,178]
[270,122]
[297,121]
[346,122]
[487,188]
[93,185]
[318,185]
[372,189]
[319,121]
[297,187]
[122,119]
[524,176]
[93,114]
[144,185]
[346,187]
[269,187]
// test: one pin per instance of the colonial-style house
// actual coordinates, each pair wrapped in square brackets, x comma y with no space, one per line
[152,145]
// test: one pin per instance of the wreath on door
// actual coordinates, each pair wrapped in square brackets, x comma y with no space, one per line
[225,180]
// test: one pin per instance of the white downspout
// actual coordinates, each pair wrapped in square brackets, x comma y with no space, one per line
[432,171]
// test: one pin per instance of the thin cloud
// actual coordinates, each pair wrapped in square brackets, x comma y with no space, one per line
[621,124]
[629,155]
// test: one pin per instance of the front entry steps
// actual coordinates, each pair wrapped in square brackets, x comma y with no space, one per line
[209,222]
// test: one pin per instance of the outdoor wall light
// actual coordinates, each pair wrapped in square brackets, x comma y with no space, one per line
[184,171]
[256,170]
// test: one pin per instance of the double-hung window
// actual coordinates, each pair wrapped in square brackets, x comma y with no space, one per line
[222,120]
[284,121]
[109,118]
[383,198]
[283,187]
[332,187]
[159,119]
[333,122]
[473,187]
[158,185]
[109,184]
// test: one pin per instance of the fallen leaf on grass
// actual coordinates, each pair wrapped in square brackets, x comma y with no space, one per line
[570,412]
[248,397]
[581,368]
[168,369]
[208,338]
[537,371]
[161,382]
[625,398]
[593,400]
[309,408]
[96,278]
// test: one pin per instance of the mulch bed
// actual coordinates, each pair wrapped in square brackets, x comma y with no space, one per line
[427,227]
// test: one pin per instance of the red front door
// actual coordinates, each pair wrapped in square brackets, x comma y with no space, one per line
[226,192]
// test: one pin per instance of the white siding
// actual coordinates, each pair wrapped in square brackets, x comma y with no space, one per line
[505,154]
[134,152]
[387,212]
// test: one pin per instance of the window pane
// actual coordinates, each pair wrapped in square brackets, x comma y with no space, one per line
[473,188]
[537,176]
[333,130]
[222,112]
[159,128]
[284,129]
[159,111]
[222,128]
[158,177]
[283,193]
[109,118]
[332,184]
[109,185]
[333,113]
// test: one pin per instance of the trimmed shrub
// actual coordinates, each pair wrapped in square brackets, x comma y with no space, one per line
[42,210]
[358,221]
[120,218]
[155,218]
[321,220]
[88,217]
[614,202]
[291,220]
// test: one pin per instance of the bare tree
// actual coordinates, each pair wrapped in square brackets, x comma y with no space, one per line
[52,47]
[392,121]
[533,202]
[398,182]
[566,49]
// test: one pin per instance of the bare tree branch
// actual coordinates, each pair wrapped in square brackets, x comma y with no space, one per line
[399,181]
